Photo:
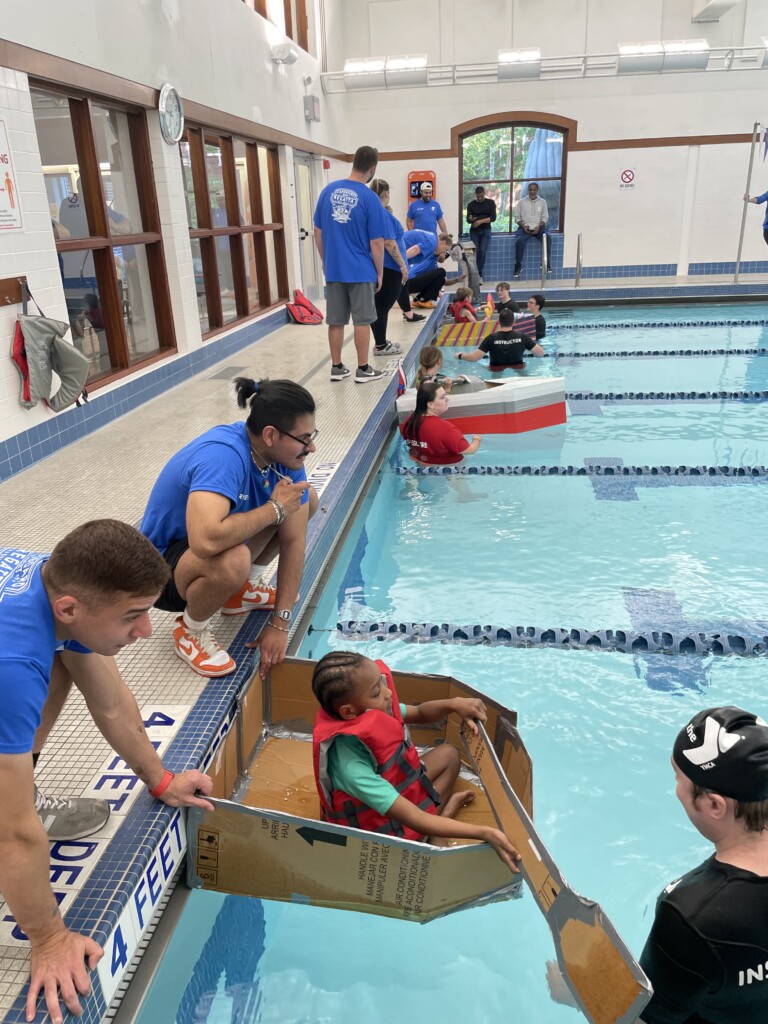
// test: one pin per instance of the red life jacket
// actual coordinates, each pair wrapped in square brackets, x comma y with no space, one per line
[302,311]
[397,761]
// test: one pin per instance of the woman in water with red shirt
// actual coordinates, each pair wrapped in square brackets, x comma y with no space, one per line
[431,439]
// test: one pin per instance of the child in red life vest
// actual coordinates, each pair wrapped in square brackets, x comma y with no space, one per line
[368,772]
[462,310]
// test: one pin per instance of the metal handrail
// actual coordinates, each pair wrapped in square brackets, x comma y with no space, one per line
[579,258]
[745,203]
[544,260]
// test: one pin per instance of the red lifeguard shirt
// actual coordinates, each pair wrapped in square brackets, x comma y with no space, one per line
[439,442]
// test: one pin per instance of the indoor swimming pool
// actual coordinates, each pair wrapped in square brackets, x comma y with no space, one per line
[592,551]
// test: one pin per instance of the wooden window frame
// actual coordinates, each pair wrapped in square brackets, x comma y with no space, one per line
[196,137]
[102,243]
[512,179]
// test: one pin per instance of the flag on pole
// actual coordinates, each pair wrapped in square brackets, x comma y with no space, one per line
[402,382]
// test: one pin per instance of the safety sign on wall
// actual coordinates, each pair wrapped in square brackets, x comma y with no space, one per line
[10,208]
[627,178]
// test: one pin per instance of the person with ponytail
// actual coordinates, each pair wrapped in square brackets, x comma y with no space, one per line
[220,511]
[430,439]
[395,274]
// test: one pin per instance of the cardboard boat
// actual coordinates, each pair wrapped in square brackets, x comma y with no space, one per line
[506,406]
[265,838]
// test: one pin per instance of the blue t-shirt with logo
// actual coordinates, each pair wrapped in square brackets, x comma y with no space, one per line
[395,230]
[219,461]
[425,215]
[349,216]
[29,645]
[425,258]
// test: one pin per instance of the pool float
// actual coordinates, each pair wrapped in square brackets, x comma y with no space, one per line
[508,406]
[265,838]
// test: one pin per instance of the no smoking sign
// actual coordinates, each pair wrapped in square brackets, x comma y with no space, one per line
[627,178]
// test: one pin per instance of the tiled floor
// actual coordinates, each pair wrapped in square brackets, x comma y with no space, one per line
[110,472]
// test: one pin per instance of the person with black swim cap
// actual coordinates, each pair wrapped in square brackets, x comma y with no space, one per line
[707,953]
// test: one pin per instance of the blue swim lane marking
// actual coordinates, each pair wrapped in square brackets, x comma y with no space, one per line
[611,488]
[646,606]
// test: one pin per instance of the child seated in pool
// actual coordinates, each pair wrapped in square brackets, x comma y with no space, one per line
[462,310]
[363,757]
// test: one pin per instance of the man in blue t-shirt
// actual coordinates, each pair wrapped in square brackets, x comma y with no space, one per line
[425,213]
[350,228]
[63,617]
[222,508]
[424,251]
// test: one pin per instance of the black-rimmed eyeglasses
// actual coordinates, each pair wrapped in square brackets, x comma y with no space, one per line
[305,440]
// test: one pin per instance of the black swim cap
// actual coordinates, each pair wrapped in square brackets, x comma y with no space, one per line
[725,750]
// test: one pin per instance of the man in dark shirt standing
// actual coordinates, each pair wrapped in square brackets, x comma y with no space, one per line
[481,213]
[505,347]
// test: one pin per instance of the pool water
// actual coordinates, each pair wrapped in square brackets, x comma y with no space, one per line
[659,339]
[634,375]
[556,574]
[673,313]
[550,552]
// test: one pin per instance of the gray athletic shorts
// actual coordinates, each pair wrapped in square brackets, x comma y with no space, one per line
[341,299]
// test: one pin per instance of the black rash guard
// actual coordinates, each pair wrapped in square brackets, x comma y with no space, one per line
[707,954]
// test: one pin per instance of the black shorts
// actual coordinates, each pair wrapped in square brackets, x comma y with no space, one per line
[171,600]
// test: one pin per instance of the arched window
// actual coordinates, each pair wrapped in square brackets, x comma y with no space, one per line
[504,160]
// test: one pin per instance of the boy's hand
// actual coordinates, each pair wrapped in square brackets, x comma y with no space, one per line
[506,851]
[469,709]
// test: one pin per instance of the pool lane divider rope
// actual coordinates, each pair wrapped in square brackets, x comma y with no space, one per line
[626,641]
[593,469]
[665,396]
[655,353]
[620,325]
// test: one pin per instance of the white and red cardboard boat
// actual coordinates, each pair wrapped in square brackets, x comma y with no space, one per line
[510,406]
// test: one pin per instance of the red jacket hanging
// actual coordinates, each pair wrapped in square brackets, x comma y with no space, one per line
[397,760]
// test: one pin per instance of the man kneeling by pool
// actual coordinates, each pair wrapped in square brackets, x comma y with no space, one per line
[368,772]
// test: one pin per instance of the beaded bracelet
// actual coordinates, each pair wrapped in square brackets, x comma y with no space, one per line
[274,625]
[279,511]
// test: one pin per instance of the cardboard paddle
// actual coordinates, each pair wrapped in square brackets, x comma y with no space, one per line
[606,981]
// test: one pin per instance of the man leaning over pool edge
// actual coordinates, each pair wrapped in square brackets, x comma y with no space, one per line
[66,616]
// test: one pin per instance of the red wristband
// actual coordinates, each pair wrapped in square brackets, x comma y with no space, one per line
[163,784]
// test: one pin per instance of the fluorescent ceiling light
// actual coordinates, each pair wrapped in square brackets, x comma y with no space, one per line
[410,69]
[640,58]
[685,55]
[364,73]
[518,64]
[765,52]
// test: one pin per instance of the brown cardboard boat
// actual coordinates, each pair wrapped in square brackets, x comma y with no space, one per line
[265,837]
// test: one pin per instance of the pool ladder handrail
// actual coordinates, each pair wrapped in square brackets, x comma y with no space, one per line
[579,258]
[544,260]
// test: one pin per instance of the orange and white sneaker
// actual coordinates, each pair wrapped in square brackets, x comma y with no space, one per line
[251,597]
[202,651]
[423,303]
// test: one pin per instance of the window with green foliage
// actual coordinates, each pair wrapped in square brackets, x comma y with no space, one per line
[504,161]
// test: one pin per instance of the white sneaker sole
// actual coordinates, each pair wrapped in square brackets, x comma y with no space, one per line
[205,673]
